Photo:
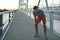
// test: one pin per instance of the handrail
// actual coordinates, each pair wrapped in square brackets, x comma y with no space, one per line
[45,10]
[5,12]
[52,11]
[10,19]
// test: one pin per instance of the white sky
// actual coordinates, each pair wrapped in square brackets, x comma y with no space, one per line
[13,4]
[9,4]
[42,3]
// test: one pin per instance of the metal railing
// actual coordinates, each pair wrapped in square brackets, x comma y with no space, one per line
[52,17]
[4,26]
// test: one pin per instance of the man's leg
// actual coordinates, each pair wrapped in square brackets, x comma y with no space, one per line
[44,25]
[36,28]
[45,32]
[36,24]
[44,29]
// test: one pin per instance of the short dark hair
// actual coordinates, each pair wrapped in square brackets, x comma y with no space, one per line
[35,7]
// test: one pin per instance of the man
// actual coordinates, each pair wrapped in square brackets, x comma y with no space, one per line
[39,16]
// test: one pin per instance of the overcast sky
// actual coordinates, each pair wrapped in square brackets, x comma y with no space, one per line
[9,4]
[13,4]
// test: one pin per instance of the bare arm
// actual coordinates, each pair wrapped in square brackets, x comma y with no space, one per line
[35,18]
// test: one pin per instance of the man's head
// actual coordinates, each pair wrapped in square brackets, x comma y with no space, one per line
[35,8]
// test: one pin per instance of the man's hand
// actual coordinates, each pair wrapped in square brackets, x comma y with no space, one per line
[36,16]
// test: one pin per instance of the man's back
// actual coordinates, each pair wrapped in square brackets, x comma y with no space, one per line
[40,13]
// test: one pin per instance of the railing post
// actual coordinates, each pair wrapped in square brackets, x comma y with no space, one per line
[38,2]
[9,17]
[51,21]
[12,14]
[1,17]
[47,4]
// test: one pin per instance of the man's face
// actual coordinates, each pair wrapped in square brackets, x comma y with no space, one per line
[36,10]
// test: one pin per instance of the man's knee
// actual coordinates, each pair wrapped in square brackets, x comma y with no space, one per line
[44,24]
[35,24]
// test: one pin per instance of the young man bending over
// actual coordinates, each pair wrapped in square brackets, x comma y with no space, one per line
[39,16]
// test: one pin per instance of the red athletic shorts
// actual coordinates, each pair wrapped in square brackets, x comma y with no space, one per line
[43,19]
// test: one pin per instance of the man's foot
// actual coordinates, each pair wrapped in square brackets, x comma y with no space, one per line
[36,35]
[46,38]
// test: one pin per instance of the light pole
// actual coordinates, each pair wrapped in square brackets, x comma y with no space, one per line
[47,4]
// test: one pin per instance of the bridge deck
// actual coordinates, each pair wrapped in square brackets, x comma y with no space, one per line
[22,28]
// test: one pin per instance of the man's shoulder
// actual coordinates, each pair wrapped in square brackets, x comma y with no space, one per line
[40,10]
